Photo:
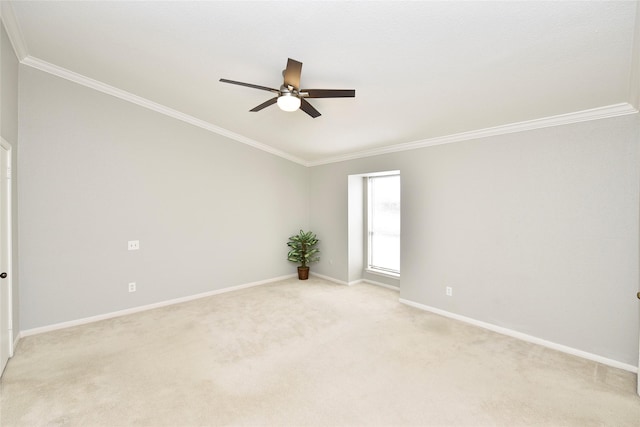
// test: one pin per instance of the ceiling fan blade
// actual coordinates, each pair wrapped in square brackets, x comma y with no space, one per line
[308,108]
[265,104]
[292,73]
[233,82]
[329,93]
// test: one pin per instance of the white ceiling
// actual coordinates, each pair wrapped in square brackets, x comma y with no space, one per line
[421,70]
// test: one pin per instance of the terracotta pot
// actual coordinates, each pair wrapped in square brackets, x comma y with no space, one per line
[303,273]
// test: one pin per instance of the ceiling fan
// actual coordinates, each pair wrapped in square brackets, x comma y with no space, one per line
[290,97]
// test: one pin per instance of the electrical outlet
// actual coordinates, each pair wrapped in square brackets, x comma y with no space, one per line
[132,286]
[133,245]
[449,291]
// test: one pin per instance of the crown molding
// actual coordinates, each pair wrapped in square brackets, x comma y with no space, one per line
[154,106]
[558,120]
[13,30]
[615,110]
[19,45]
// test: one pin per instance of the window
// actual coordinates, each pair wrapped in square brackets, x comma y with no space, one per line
[384,224]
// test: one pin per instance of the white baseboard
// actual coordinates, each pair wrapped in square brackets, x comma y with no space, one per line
[525,337]
[331,279]
[125,312]
[489,326]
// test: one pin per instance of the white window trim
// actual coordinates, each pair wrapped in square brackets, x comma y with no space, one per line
[383,273]
[368,268]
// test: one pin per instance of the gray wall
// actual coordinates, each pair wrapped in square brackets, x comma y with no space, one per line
[9,120]
[96,171]
[535,231]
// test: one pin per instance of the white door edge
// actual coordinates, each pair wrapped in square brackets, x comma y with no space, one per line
[9,244]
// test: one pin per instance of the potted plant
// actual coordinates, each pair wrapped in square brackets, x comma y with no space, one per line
[303,251]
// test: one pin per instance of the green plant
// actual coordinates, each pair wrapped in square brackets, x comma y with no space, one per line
[302,248]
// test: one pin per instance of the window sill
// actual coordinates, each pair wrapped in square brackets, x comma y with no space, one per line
[383,273]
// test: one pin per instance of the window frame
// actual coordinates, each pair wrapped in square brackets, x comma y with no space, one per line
[369,267]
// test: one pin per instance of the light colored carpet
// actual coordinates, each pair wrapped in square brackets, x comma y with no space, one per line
[308,353]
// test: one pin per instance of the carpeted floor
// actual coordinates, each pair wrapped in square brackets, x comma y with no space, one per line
[303,354]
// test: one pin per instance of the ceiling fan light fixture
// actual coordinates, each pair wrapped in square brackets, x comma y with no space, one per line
[288,102]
